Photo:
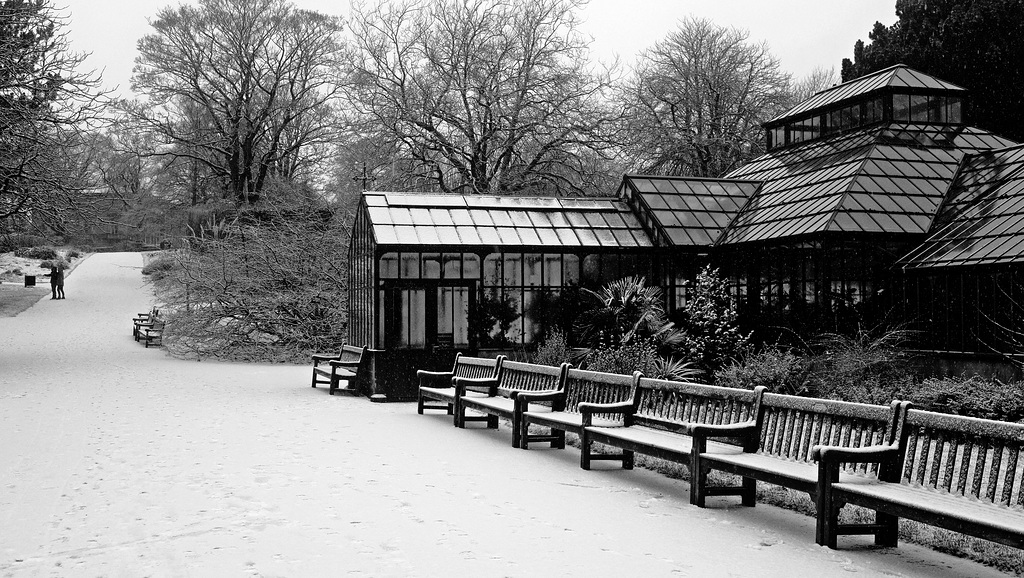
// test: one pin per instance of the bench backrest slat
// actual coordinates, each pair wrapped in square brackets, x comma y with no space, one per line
[477,367]
[792,426]
[661,404]
[584,386]
[351,353]
[521,376]
[972,457]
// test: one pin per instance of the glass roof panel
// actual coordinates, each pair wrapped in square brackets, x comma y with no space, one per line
[441,217]
[623,238]
[520,219]
[529,236]
[385,234]
[540,219]
[656,201]
[468,235]
[427,235]
[587,237]
[567,237]
[606,238]
[508,236]
[447,235]
[577,221]
[679,237]
[501,218]
[489,235]
[406,235]
[548,237]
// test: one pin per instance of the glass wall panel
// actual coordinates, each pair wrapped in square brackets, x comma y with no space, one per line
[571,269]
[452,265]
[953,113]
[471,266]
[513,265]
[410,266]
[532,272]
[918,108]
[389,266]
[413,317]
[901,107]
[492,270]
[553,270]
[431,266]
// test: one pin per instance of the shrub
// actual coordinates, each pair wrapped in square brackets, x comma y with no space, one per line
[160,266]
[36,253]
[971,396]
[626,359]
[778,369]
[72,254]
[865,368]
[11,243]
[554,350]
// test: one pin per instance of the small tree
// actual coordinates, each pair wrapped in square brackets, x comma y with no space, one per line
[708,332]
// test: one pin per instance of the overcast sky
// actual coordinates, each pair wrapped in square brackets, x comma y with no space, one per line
[803,34]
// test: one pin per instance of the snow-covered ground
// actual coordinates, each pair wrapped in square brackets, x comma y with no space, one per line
[116,460]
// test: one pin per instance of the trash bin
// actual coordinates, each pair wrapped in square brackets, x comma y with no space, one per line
[30,280]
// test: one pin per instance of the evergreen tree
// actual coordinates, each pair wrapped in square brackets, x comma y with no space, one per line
[973,43]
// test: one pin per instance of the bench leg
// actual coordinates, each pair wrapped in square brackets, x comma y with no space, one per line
[749,495]
[827,519]
[628,458]
[891,534]
[524,434]
[698,474]
[419,403]
[458,414]
[559,442]
[585,450]
[492,422]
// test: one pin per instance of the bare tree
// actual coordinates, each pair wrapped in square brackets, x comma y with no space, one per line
[242,87]
[482,96]
[46,101]
[696,99]
[817,80]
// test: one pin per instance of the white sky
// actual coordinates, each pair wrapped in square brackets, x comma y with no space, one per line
[803,34]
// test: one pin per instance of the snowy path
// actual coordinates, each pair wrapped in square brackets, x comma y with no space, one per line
[116,460]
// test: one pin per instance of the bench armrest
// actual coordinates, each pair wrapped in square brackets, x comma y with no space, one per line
[525,398]
[318,357]
[746,431]
[345,363]
[515,393]
[865,455]
[588,410]
[434,378]
[488,385]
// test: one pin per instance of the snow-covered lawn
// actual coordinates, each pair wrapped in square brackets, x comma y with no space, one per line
[117,460]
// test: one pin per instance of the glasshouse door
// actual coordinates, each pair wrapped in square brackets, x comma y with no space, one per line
[431,316]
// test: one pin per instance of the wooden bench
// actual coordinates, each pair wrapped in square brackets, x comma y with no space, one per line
[153,333]
[143,320]
[348,364]
[782,454]
[495,397]
[436,386]
[560,412]
[665,417]
[960,473]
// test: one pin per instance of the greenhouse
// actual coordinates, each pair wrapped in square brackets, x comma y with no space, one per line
[875,203]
